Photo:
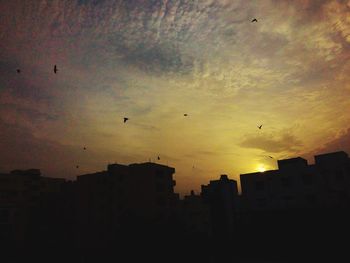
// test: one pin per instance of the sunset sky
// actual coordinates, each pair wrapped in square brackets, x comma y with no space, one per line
[153,61]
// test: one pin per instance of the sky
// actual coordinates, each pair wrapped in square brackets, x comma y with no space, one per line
[154,61]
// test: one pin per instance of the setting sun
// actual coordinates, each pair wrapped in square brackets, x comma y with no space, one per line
[261,168]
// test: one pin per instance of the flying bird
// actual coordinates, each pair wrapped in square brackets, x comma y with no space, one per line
[254,20]
[260,126]
[271,157]
[55,69]
[18,71]
[84,148]
[125,119]
[185,114]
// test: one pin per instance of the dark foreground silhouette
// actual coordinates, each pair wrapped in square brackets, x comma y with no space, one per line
[130,213]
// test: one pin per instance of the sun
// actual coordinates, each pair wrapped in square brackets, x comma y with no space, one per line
[261,168]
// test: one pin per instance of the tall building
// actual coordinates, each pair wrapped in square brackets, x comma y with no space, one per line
[222,197]
[334,170]
[196,215]
[297,185]
[122,198]
[23,194]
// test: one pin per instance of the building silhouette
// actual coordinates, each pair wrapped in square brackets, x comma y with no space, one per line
[196,215]
[132,212]
[297,185]
[123,201]
[222,197]
[301,209]
[334,171]
[22,195]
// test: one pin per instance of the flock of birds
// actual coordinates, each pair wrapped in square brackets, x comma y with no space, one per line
[125,119]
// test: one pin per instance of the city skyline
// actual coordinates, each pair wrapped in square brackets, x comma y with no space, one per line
[196,80]
[299,211]
[294,161]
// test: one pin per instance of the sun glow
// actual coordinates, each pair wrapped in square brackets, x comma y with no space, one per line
[261,168]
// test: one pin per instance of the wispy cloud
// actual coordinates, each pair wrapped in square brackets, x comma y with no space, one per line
[271,143]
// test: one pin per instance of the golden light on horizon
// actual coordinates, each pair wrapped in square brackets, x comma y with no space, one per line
[261,168]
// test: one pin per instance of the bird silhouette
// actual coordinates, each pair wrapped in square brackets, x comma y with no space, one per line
[158,158]
[55,69]
[18,71]
[84,148]
[260,126]
[185,114]
[125,119]
[271,157]
[254,20]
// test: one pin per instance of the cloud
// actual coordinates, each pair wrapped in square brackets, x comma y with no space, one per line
[340,143]
[270,143]
[159,58]
[21,149]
